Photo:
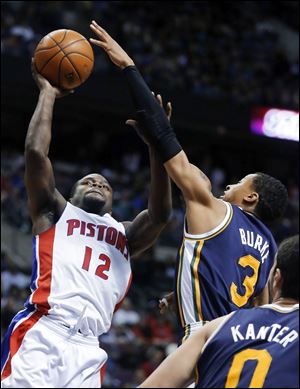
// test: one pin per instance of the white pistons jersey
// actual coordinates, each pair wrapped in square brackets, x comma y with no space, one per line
[81,270]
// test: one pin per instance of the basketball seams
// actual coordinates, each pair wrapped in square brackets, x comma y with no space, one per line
[45,48]
[66,31]
[83,55]
[67,55]
[46,63]
[59,72]
[69,44]
[56,43]
[61,48]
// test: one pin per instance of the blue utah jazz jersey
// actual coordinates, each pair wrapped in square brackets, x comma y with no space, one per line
[221,271]
[254,348]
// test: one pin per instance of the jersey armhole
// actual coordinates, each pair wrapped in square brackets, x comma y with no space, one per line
[220,326]
[215,231]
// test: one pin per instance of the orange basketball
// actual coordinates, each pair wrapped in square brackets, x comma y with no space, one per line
[65,58]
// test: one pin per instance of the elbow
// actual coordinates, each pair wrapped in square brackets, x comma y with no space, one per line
[33,153]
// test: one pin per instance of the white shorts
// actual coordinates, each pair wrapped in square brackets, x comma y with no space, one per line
[50,356]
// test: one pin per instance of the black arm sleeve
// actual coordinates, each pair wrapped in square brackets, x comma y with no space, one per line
[152,119]
[142,97]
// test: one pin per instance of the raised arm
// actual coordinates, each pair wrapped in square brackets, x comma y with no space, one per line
[45,202]
[143,231]
[156,129]
[145,228]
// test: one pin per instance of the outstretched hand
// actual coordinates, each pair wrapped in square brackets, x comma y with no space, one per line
[115,52]
[134,123]
[44,84]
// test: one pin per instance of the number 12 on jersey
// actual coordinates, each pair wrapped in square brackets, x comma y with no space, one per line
[104,267]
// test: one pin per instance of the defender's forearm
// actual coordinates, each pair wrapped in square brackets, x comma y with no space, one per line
[152,119]
[160,197]
[142,97]
[39,131]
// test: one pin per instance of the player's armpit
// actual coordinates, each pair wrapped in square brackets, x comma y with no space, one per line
[193,183]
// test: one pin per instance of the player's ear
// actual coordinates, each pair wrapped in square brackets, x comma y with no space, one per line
[277,279]
[251,198]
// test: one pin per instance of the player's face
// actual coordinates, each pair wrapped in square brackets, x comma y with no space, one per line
[94,194]
[235,193]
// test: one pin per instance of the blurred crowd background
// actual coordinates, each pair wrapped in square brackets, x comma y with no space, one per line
[218,49]
[237,53]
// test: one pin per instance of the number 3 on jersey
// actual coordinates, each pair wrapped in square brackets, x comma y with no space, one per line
[249,282]
[101,268]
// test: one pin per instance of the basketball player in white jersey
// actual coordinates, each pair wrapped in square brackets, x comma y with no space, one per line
[81,266]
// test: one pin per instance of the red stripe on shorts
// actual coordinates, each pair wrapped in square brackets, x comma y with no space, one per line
[45,253]
[102,371]
[16,339]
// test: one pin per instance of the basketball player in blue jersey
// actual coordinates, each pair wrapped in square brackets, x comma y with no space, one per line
[227,250]
[81,265]
[253,348]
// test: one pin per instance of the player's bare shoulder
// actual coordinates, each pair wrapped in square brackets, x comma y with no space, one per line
[203,218]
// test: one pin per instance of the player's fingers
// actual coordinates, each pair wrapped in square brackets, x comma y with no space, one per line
[99,33]
[159,99]
[169,109]
[95,24]
[99,43]
[132,123]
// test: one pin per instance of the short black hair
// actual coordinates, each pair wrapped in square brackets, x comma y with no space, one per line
[272,197]
[288,263]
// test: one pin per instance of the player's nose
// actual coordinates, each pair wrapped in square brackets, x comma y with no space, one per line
[98,184]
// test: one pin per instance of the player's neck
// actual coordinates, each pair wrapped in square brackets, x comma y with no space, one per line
[251,211]
[285,301]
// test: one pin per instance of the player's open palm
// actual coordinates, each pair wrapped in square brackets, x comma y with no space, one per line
[115,52]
